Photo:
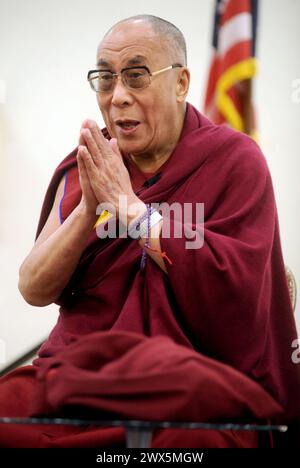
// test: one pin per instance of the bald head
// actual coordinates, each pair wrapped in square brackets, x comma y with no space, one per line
[166,32]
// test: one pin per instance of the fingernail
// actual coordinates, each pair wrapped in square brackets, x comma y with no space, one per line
[92,123]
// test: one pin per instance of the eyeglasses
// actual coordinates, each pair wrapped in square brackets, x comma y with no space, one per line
[103,81]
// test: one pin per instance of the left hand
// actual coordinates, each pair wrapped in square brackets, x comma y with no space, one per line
[105,168]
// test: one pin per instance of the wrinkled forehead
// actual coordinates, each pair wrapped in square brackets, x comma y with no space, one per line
[130,44]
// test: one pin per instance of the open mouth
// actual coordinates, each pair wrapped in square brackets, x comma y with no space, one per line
[127,124]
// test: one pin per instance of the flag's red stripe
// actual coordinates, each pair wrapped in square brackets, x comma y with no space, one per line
[235,7]
[212,79]
[237,53]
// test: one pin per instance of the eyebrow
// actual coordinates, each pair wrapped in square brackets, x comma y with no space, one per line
[102,63]
[137,60]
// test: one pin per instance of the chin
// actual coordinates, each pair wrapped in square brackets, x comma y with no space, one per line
[131,147]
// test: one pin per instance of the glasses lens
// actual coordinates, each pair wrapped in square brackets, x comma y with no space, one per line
[101,81]
[136,78]
[105,81]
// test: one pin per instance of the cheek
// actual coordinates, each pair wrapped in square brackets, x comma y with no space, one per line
[165,98]
[102,105]
[99,100]
[159,112]
[104,108]
[154,107]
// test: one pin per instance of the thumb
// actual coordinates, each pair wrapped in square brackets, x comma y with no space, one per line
[113,143]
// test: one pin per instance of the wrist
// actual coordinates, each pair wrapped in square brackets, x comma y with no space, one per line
[155,227]
[142,227]
[135,210]
[86,213]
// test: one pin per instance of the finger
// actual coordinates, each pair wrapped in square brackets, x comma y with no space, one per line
[83,125]
[81,167]
[104,148]
[81,140]
[96,133]
[79,159]
[89,164]
[91,146]
[87,124]
[113,143]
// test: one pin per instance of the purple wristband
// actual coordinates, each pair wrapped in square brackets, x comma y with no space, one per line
[144,253]
[136,224]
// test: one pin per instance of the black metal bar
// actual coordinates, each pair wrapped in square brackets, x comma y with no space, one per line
[23,358]
[146,425]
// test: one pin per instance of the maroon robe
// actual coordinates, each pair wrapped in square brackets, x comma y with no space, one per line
[228,300]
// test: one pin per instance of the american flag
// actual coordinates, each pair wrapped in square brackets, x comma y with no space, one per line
[228,96]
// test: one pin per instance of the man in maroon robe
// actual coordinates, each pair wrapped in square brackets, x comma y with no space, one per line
[226,299]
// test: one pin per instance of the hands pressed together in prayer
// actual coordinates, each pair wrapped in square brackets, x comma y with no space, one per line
[104,178]
[102,173]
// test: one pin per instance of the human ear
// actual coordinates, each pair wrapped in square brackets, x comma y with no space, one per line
[183,83]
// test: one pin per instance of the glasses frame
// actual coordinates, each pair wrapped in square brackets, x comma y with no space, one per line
[115,76]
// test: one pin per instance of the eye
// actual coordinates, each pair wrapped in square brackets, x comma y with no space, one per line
[134,75]
[104,76]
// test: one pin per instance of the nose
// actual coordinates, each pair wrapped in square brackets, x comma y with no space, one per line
[121,96]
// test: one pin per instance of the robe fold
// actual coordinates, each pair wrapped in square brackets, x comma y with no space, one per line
[146,378]
[227,301]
